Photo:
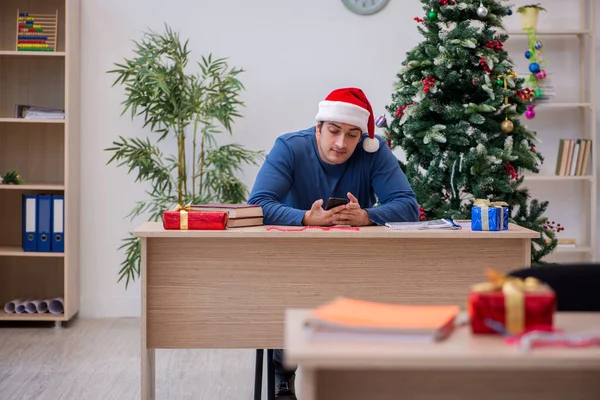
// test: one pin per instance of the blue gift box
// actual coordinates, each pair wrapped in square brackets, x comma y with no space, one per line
[487,216]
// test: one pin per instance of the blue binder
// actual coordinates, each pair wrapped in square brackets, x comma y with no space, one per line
[29,225]
[44,222]
[58,223]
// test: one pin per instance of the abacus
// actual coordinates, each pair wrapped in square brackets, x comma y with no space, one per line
[36,32]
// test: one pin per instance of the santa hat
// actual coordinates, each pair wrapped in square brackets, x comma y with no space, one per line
[350,106]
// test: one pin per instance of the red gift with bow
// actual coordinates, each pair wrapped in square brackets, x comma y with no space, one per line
[510,302]
[183,218]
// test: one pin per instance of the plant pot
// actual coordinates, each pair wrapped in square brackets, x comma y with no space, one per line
[529,18]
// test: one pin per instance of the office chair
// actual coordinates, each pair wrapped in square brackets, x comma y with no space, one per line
[577,285]
[258,370]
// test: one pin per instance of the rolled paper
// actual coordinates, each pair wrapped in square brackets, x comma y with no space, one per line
[56,305]
[20,308]
[11,306]
[42,306]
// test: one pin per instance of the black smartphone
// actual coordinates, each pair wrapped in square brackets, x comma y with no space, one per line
[334,202]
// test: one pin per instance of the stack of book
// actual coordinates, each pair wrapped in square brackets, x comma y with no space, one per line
[26,111]
[240,215]
[573,157]
[347,318]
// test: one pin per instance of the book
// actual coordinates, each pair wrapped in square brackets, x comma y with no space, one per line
[26,111]
[234,210]
[242,222]
[368,320]
[445,223]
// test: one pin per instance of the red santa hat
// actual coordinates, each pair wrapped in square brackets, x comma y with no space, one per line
[350,106]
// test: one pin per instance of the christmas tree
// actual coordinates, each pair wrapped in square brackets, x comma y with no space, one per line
[456,115]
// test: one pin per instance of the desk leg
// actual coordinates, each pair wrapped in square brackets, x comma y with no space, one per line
[308,383]
[148,375]
[147,355]
[527,260]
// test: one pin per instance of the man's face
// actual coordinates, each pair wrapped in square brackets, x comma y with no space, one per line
[337,141]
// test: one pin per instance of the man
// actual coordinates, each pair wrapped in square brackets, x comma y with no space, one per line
[339,157]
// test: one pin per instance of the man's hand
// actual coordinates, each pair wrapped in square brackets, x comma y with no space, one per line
[317,216]
[352,214]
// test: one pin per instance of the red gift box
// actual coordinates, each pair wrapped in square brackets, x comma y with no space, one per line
[183,219]
[513,303]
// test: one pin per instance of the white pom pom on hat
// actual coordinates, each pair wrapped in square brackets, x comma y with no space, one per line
[350,106]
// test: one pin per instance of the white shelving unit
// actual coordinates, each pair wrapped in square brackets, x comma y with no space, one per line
[586,247]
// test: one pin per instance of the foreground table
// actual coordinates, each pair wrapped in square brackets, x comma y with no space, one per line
[230,289]
[462,367]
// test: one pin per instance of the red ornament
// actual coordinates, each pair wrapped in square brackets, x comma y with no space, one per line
[388,139]
[400,111]
[533,149]
[553,226]
[495,44]
[421,214]
[510,171]
[418,19]
[484,65]
[428,83]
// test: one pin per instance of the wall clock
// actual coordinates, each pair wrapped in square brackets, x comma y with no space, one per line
[365,7]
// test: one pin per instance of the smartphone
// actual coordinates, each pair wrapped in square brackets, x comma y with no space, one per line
[334,202]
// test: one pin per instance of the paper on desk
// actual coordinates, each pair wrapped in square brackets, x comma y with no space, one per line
[446,223]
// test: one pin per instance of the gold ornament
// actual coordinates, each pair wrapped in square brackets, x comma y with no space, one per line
[507,126]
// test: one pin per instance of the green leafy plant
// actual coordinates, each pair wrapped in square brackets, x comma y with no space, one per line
[191,108]
[11,177]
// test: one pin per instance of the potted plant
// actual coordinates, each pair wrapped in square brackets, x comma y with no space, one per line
[529,15]
[190,109]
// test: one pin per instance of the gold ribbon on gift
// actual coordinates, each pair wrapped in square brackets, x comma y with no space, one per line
[484,204]
[514,290]
[183,215]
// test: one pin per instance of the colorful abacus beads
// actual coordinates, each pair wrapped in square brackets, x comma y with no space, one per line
[36,32]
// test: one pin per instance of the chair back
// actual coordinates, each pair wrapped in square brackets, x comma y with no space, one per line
[577,286]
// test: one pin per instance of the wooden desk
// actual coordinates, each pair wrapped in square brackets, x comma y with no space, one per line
[462,367]
[230,289]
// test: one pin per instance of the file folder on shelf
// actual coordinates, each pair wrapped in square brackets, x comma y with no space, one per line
[29,226]
[58,223]
[44,222]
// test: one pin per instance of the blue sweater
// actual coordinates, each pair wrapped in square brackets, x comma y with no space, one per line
[294,176]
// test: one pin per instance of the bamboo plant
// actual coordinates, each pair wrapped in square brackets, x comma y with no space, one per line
[190,108]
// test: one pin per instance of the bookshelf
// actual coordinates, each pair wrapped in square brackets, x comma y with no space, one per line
[46,154]
[577,120]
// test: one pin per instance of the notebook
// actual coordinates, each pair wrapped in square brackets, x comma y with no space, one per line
[347,318]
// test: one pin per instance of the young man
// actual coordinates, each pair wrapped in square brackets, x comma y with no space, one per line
[339,157]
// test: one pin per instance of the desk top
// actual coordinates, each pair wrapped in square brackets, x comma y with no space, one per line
[460,350]
[155,229]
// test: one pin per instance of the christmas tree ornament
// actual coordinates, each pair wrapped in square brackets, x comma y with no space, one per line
[527,54]
[510,12]
[538,93]
[482,12]
[538,45]
[499,82]
[534,67]
[381,122]
[530,113]
[507,126]
[432,15]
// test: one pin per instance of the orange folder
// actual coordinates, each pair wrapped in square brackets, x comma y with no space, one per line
[352,315]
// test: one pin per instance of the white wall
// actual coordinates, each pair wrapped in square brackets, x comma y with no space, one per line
[294,52]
